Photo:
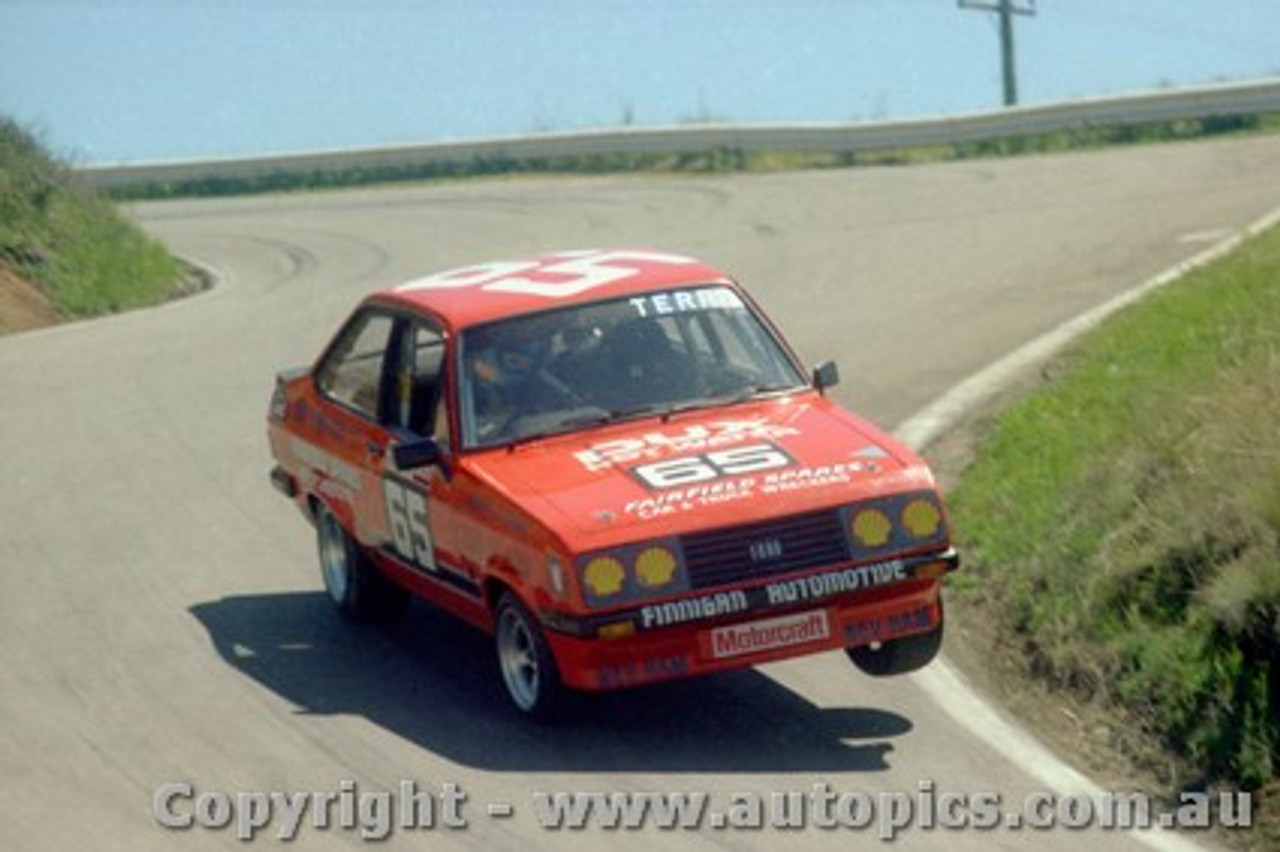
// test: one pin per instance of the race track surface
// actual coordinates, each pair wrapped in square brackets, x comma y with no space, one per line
[162,616]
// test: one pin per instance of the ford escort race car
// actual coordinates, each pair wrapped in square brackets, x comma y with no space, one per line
[613,462]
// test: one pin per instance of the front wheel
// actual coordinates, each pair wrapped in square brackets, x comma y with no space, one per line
[354,585]
[898,656]
[528,667]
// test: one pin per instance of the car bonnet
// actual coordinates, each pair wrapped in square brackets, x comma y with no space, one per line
[700,470]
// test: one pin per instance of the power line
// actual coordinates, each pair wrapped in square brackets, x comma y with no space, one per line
[1006,9]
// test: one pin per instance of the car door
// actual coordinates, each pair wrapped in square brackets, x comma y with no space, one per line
[354,378]
[424,505]
[416,385]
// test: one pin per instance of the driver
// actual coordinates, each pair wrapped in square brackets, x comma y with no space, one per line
[503,381]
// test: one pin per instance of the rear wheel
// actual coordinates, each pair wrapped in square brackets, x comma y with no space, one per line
[354,585]
[528,667]
[898,656]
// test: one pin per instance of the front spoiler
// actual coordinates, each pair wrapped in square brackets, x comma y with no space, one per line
[693,650]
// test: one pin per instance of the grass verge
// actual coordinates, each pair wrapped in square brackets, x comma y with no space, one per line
[1122,528]
[73,245]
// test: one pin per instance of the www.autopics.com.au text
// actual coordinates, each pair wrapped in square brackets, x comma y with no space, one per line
[375,814]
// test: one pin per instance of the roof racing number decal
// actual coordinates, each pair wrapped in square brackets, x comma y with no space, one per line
[688,470]
[558,277]
[407,517]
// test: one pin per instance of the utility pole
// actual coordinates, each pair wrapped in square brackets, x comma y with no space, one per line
[1007,9]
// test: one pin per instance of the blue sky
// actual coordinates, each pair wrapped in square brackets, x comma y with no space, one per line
[144,80]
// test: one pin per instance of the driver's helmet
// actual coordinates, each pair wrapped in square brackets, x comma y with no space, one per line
[504,364]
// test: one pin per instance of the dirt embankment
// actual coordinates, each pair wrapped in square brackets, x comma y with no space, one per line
[22,305]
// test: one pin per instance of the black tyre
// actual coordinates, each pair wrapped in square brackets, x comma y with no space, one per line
[528,668]
[898,656]
[354,585]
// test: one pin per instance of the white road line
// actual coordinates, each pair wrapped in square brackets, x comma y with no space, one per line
[942,683]
[926,425]
[1210,236]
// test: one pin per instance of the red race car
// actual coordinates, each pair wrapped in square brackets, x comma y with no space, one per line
[612,462]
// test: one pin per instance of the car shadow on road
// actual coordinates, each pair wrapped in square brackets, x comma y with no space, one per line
[434,681]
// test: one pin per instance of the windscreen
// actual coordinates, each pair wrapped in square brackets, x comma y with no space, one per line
[557,371]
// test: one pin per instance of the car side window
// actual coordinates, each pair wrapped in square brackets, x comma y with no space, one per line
[420,381]
[351,372]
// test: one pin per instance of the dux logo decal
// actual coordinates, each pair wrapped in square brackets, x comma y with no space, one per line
[693,439]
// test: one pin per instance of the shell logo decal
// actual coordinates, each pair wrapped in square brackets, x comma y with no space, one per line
[872,528]
[921,518]
[655,567]
[604,575]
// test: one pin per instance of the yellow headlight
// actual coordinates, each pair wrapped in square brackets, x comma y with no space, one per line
[921,518]
[603,575]
[655,567]
[871,528]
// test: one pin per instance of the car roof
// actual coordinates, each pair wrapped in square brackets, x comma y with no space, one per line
[488,291]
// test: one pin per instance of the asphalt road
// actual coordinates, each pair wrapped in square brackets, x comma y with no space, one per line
[162,619]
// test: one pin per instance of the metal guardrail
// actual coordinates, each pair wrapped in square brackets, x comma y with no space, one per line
[1225,100]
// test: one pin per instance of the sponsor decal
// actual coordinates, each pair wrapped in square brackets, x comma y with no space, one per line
[681,301]
[884,627]
[643,671]
[694,609]
[817,586]
[817,476]
[686,499]
[694,438]
[755,636]
[672,497]
[814,587]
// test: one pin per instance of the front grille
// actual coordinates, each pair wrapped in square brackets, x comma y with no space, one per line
[764,549]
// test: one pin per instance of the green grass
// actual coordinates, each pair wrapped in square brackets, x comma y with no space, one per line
[716,161]
[73,244]
[1124,522]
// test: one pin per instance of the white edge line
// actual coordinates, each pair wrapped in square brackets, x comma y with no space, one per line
[940,681]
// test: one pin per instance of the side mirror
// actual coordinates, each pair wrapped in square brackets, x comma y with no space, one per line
[826,375]
[415,453]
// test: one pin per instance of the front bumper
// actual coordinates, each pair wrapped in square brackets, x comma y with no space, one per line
[746,640]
